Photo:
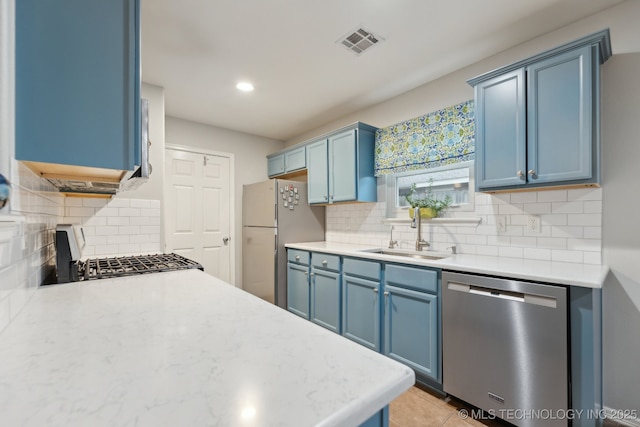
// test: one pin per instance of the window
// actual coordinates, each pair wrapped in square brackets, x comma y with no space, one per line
[451,180]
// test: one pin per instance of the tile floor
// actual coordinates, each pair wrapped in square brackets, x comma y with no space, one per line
[420,408]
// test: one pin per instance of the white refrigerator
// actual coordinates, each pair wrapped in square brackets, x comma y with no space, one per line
[275,212]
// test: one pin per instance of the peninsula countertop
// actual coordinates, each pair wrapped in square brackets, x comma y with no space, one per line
[182,348]
[561,273]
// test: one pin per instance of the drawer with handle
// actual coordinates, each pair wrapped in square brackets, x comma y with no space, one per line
[298,256]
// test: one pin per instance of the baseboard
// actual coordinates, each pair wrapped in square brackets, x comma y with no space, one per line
[617,416]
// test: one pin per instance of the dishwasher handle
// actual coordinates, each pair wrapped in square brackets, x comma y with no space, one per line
[546,301]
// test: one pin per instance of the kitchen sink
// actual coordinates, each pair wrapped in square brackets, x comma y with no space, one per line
[410,254]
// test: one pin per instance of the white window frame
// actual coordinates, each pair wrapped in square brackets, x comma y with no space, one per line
[394,212]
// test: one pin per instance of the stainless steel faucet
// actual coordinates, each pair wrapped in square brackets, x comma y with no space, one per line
[392,243]
[417,223]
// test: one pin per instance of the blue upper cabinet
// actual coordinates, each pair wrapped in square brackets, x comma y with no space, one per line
[501,130]
[317,172]
[537,121]
[78,82]
[340,166]
[560,111]
[290,161]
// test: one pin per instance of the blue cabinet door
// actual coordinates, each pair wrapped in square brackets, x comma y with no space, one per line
[379,419]
[325,299]
[343,167]
[275,165]
[317,172]
[412,329]
[295,159]
[560,117]
[298,289]
[78,82]
[361,311]
[501,131]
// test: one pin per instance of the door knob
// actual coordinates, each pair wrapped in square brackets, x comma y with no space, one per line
[225,240]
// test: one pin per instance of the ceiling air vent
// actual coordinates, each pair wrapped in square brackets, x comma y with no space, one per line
[359,40]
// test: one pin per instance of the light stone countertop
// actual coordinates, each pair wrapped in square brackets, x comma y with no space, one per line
[562,273]
[182,349]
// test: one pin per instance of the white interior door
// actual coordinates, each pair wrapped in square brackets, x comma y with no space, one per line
[198,209]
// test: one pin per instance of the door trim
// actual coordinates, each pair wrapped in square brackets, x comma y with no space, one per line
[232,200]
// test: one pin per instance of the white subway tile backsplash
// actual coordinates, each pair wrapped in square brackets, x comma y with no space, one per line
[591,206]
[592,232]
[26,247]
[139,203]
[115,227]
[130,248]
[567,256]
[119,202]
[510,252]
[486,250]
[106,250]
[585,245]
[537,253]
[106,231]
[73,211]
[552,196]
[570,232]
[73,202]
[108,211]
[570,214]
[592,258]
[150,212]
[585,219]
[524,197]
[537,208]
[93,202]
[129,211]
[585,194]
[118,220]
[567,207]
[130,229]
[117,240]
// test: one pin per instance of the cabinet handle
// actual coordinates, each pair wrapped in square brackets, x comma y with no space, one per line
[325,197]
[386,294]
[520,174]
[312,274]
[325,262]
[306,273]
[297,257]
[375,290]
[533,174]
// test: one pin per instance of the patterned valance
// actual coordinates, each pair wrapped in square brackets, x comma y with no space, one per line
[439,138]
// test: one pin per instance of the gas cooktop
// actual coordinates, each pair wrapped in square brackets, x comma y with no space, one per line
[103,268]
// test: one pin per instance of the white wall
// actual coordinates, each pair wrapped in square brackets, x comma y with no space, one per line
[621,154]
[250,161]
[622,20]
[621,231]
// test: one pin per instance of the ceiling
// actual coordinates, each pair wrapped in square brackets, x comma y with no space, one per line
[197,50]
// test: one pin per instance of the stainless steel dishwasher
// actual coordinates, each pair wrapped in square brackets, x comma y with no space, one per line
[505,347]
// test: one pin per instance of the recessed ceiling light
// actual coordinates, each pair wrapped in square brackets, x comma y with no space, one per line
[245,86]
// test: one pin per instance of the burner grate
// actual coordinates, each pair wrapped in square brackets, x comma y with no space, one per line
[103,268]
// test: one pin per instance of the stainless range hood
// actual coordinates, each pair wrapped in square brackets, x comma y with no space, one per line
[89,181]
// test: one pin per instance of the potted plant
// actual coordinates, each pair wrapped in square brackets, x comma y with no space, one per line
[429,205]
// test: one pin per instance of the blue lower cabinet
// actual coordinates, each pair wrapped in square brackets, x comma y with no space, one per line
[325,299]
[361,311]
[379,419]
[298,289]
[411,329]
